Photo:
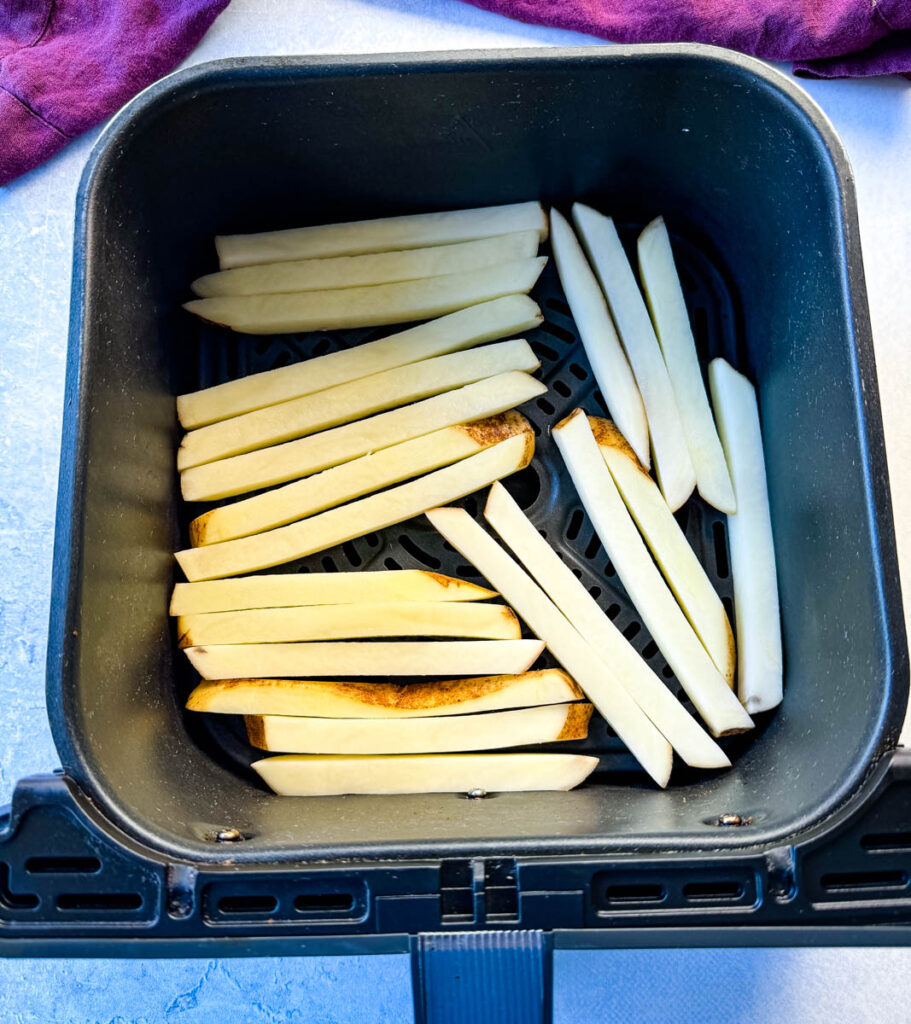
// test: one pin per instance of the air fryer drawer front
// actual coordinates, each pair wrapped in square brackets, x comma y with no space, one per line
[71,884]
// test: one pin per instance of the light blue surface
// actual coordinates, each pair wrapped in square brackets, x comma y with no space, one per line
[36,224]
[319,990]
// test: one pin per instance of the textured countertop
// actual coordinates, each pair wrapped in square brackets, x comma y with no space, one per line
[36,226]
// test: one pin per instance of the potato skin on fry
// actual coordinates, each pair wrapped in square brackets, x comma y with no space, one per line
[330,698]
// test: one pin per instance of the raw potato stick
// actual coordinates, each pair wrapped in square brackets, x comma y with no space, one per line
[381,235]
[569,594]
[354,479]
[368,306]
[375,268]
[350,622]
[760,665]
[672,325]
[554,723]
[669,547]
[599,337]
[376,512]
[366,658]
[282,590]
[673,465]
[352,401]
[543,617]
[295,459]
[303,775]
[335,699]
[660,613]
[475,325]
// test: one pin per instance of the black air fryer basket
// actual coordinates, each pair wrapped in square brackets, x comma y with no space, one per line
[157,838]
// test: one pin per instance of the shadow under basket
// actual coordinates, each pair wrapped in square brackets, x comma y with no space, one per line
[760,201]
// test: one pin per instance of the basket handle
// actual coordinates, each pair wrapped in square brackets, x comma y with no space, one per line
[486,977]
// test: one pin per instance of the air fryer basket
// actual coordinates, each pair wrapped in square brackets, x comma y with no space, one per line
[759,197]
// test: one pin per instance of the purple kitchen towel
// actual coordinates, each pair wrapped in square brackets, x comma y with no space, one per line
[824,38]
[65,65]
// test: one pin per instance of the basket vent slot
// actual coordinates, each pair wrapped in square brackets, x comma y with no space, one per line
[575,524]
[721,550]
[62,865]
[641,892]
[324,902]
[875,841]
[253,903]
[560,333]
[113,901]
[632,630]
[728,608]
[852,881]
[544,351]
[351,554]
[712,891]
[416,551]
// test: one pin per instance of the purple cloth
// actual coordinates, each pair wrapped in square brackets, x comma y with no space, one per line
[65,65]
[824,38]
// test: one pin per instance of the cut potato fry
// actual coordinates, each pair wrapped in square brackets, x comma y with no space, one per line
[334,699]
[302,775]
[569,594]
[366,658]
[756,607]
[350,622]
[599,337]
[352,401]
[673,465]
[283,590]
[543,617]
[354,479]
[382,235]
[369,306]
[669,546]
[300,458]
[475,325]
[672,325]
[663,618]
[375,268]
[247,554]
[553,723]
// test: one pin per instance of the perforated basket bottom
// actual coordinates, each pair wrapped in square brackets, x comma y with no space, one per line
[543,489]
